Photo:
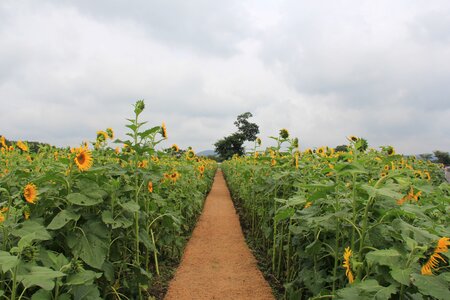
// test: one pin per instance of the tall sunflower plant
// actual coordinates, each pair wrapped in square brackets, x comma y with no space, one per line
[358,223]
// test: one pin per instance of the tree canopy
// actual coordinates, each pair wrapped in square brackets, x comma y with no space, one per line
[233,143]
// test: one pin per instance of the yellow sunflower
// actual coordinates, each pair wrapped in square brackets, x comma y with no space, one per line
[83,159]
[175,148]
[3,141]
[190,154]
[150,187]
[22,146]
[30,193]
[110,133]
[101,136]
[346,265]
[164,130]
[433,261]
[352,138]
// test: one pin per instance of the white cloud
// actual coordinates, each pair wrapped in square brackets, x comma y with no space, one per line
[322,69]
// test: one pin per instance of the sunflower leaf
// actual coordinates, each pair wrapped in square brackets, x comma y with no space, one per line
[62,218]
[80,199]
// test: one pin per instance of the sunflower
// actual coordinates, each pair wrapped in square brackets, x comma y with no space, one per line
[143,164]
[433,262]
[390,150]
[201,169]
[346,265]
[352,138]
[190,154]
[150,187]
[164,130]
[284,133]
[174,176]
[101,136]
[308,204]
[22,146]
[83,159]
[110,133]
[3,141]
[155,159]
[175,148]
[297,155]
[30,193]
[117,150]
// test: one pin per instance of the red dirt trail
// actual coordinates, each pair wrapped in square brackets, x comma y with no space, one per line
[217,264]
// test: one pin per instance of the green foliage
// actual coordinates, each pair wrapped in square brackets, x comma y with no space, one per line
[232,145]
[100,233]
[305,209]
[442,157]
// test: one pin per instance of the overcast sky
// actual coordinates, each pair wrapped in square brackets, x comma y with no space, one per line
[322,69]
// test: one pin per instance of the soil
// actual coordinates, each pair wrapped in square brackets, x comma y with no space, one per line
[217,263]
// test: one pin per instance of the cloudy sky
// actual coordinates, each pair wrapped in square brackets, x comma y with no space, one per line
[322,69]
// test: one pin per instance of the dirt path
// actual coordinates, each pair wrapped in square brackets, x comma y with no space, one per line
[217,264]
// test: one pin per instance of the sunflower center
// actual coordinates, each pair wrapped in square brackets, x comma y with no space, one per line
[81,158]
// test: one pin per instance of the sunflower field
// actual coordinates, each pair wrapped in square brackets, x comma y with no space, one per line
[94,222]
[355,224]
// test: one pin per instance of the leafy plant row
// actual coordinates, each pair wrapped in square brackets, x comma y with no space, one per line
[96,223]
[352,224]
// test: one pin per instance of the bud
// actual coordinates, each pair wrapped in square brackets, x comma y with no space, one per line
[139,107]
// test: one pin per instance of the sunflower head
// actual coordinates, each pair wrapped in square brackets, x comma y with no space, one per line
[22,146]
[83,159]
[352,138]
[284,133]
[347,266]
[30,193]
[295,143]
[175,148]
[150,187]
[3,141]
[190,154]
[110,133]
[164,130]
[139,106]
[101,136]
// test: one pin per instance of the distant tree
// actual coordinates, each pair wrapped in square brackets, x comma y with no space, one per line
[342,148]
[246,129]
[442,157]
[426,156]
[233,144]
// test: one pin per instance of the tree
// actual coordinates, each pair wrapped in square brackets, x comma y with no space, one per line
[233,144]
[342,148]
[442,157]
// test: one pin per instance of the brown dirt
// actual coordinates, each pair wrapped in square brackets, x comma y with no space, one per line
[217,264]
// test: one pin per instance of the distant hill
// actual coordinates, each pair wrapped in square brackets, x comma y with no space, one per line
[207,153]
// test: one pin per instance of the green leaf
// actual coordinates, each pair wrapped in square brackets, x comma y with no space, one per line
[7,261]
[386,257]
[402,275]
[36,229]
[119,222]
[62,218]
[386,292]
[80,199]
[42,295]
[145,239]
[40,276]
[130,206]
[284,214]
[83,277]
[92,244]
[434,286]
[86,292]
